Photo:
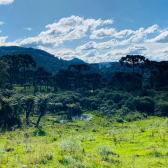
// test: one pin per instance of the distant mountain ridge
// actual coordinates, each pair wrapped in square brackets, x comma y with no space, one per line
[53,64]
[42,58]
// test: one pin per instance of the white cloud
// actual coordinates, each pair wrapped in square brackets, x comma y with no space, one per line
[161,38]
[91,53]
[1,23]
[6,2]
[111,32]
[128,51]
[69,28]
[102,33]
[102,45]
[123,33]
[29,28]
[163,50]
[151,29]
[2,40]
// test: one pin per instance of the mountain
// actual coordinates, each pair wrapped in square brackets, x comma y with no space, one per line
[77,60]
[52,64]
[42,58]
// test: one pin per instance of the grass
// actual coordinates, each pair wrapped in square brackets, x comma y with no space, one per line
[87,144]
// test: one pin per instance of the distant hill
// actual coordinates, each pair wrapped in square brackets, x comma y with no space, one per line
[42,58]
[77,60]
[53,64]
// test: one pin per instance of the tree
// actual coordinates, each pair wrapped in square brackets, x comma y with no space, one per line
[28,103]
[78,68]
[10,111]
[3,74]
[42,76]
[70,110]
[132,61]
[42,102]
[26,62]
[95,78]
[152,66]
[13,62]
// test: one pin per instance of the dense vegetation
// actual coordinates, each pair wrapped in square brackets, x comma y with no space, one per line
[128,109]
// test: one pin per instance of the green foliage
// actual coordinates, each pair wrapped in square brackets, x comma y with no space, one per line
[163,108]
[104,151]
[133,116]
[142,104]
[70,144]
[39,132]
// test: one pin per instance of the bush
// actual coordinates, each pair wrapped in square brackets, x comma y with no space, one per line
[163,108]
[133,116]
[104,151]
[144,104]
[77,109]
[39,132]
[119,120]
[70,144]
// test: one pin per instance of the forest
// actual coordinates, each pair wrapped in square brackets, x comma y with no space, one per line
[79,117]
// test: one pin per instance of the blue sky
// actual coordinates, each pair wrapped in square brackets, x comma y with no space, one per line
[91,30]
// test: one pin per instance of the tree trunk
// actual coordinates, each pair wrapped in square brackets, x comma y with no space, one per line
[133,73]
[24,75]
[10,77]
[151,80]
[70,113]
[38,121]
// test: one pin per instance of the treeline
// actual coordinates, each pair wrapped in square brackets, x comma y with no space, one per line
[22,71]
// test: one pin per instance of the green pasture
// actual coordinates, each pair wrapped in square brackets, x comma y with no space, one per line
[87,144]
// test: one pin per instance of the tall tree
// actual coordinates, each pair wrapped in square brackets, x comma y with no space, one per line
[28,103]
[13,62]
[27,61]
[151,66]
[132,61]
[79,68]
[4,76]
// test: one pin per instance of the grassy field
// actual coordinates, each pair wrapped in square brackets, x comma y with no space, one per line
[87,144]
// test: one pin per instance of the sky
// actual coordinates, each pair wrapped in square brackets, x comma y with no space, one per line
[91,30]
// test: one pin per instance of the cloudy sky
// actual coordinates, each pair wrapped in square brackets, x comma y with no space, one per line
[91,30]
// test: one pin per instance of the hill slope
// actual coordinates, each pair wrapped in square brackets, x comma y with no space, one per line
[42,58]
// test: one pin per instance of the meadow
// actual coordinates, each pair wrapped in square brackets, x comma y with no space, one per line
[98,143]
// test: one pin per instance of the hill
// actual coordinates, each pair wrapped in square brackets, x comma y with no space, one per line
[77,60]
[53,64]
[42,58]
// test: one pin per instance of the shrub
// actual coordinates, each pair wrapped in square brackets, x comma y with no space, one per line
[163,108]
[133,116]
[144,104]
[39,132]
[58,105]
[119,120]
[77,109]
[104,151]
[70,144]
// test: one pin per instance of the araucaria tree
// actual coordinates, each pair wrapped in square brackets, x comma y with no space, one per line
[132,61]
[13,62]
[26,61]
[78,68]
[3,74]
[151,66]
